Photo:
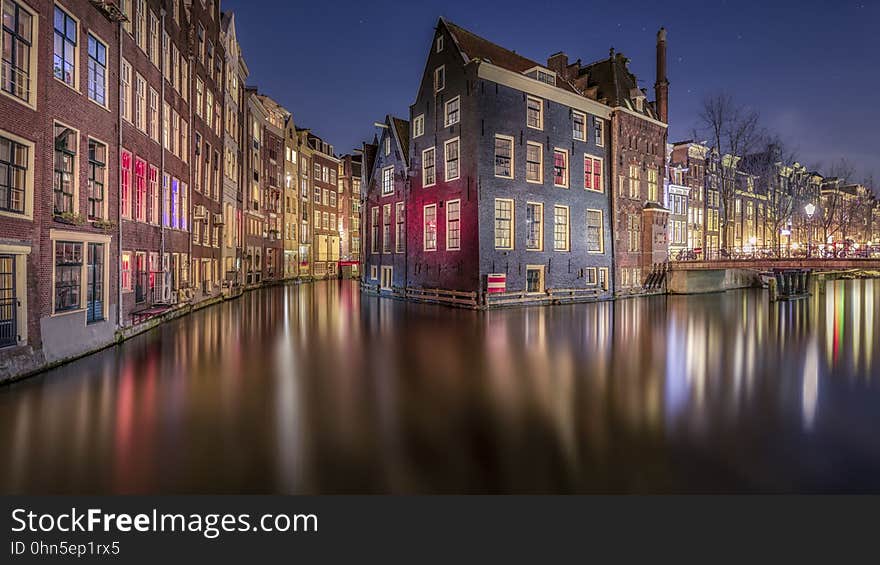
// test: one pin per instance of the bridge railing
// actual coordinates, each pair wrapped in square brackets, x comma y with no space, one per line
[763,253]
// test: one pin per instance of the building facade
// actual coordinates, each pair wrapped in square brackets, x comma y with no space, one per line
[236,73]
[386,182]
[59,157]
[509,196]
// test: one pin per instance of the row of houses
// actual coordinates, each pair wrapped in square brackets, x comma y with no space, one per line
[518,181]
[140,176]
[768,206]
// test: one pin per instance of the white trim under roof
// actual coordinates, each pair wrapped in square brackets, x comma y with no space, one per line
[642,116]
[530,85]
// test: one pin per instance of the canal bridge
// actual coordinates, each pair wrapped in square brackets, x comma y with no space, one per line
[771,264]
[692,276]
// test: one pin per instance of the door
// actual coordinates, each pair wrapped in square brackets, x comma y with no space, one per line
[95,283]
[386,277]
[8,302]
[140,277]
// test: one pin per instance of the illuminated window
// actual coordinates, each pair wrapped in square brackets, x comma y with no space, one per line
[503,223]
[388,180]
[560,168]
[430,227]
[593,173]
[453,225]
[560,228]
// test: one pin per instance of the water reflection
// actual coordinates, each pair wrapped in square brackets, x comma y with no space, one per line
[315,388]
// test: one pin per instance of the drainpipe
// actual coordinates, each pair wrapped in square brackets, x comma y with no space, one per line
[191,168]
[161,179]
[611,156]
[119,182]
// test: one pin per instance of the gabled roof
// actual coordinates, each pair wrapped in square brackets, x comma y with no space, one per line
[472,46]
[401,132]
[370,152]
[614,84]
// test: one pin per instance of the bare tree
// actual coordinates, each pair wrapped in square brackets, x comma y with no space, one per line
[773,169]
[834,206]
[734,130]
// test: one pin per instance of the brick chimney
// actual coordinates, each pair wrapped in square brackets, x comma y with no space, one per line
[558,62]
[661,87]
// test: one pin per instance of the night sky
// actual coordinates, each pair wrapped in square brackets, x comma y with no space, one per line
[812,69]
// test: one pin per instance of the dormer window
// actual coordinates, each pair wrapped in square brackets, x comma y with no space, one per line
[544,75]
[640,103]
[439,43]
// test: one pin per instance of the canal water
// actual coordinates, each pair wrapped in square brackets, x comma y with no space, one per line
[317,389]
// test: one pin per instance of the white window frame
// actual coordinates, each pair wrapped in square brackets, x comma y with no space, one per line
[600,131]
[540,207]
[567,227]
[425,227]
[385,170]
[446,122]
[449,247]
[539,268]
[601,250]
[512,142]
[434,181]
[438,44]
[567,175]
[446,145]
[418,126]
[583,117]
[540,147]
[601,162]
[512,223]
[540,102]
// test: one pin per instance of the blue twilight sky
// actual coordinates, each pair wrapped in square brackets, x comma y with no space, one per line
[811,68]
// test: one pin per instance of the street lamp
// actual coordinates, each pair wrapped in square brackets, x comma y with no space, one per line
[810,209]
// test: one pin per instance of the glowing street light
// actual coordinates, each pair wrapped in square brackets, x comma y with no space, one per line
[810,209]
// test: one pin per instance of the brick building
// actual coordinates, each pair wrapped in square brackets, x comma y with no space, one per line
[509,168]
[387,183]
[207,60]
[236,74]
[324,206]
[291,225]
[637,140]
[154,183]
[59,150]
[350,213]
